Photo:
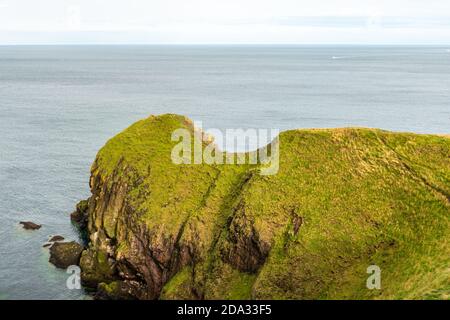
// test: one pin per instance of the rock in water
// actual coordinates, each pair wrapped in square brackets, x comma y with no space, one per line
[28,225]
[80,215]
[56,238]
[65,254]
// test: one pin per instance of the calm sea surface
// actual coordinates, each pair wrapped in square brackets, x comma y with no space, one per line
[59,105]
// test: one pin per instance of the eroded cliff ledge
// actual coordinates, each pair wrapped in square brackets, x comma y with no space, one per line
[343,199]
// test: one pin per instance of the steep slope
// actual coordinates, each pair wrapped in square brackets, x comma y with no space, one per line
[343,199]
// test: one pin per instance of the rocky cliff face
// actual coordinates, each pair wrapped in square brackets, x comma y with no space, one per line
[343,199]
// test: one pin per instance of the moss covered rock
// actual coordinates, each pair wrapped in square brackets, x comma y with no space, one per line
[65,254]
[80,216]
[343,199]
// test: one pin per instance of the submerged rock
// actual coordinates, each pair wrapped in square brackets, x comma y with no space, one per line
[65,254]
[28,225]
[56,238]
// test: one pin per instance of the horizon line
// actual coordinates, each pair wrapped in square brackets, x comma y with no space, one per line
[227,44]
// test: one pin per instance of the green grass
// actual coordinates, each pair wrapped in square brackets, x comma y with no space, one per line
[364,196]
[179,286]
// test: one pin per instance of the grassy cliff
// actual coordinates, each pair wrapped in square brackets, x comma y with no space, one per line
[343,199]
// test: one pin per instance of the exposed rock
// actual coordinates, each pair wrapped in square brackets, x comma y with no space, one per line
[80,215]
[56,238]
[28,225]
[226,232]
[297,222]
[244,250]
[119,290]
[65,254]
[97,268]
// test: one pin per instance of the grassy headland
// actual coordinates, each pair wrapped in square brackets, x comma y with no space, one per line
[343,199]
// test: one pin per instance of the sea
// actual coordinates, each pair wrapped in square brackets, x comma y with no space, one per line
[60,104]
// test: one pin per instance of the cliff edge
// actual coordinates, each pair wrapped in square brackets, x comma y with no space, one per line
[342,200]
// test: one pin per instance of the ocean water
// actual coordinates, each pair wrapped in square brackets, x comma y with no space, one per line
[60,104]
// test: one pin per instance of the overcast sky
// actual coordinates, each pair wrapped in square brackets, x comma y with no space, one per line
[225,21]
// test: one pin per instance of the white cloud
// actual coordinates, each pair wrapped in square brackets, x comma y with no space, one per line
[214,21]
[73,17]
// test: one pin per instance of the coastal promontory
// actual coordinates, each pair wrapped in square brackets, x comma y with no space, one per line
[343,200]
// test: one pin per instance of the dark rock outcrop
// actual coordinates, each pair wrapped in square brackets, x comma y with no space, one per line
[244,250]
[56,238]
[28,225]
[65,254]
[80,216]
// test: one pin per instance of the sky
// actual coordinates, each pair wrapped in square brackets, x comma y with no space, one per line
[225,21]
